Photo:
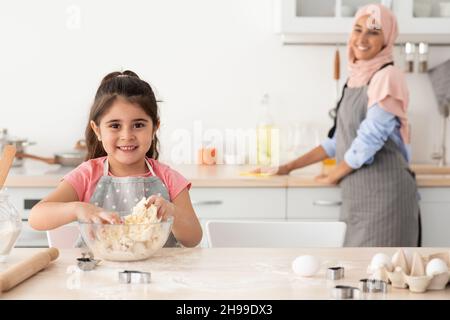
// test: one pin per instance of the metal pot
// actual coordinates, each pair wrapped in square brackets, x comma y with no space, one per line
[66,159]
[20,145]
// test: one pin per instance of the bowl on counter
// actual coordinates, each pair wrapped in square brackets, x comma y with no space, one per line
[125,242]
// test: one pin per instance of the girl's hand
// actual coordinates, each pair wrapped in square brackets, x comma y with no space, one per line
[324,178]
[165,208]
[271,171]
[87,212]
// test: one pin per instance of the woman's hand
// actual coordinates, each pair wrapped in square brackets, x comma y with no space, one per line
[325,179]
[272,171]
[165,208]
[87,212]
[336,174]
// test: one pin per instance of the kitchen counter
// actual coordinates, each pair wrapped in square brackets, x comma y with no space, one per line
[218,273]
[35,174]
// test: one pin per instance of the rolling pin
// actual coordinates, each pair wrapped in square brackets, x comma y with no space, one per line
[27,268]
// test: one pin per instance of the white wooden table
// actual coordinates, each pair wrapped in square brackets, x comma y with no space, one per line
[206,274]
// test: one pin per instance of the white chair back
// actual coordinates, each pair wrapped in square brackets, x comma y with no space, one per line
[63,237]
[275,234]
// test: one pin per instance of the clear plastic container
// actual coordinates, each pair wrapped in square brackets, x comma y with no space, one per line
[207,154]
[10,226]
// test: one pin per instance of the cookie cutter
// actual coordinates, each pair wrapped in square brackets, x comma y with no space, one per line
[335,273]
[132,276]
[87,263]
[373,285]
[345,292]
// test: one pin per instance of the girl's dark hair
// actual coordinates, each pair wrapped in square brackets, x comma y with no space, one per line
[128,85]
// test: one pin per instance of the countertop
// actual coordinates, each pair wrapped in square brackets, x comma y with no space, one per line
[35,174]
[213,273]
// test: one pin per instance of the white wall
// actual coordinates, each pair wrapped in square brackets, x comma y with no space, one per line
[210,60]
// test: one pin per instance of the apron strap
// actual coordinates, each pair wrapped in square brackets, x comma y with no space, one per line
[382,67]
[333,129]
[150,168]
[106,167]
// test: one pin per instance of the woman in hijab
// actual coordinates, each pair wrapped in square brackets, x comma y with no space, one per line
[370,140]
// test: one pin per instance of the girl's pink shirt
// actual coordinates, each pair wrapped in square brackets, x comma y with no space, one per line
[84,178]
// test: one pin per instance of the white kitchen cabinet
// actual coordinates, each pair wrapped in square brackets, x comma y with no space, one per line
[329,21]
[293,204]
[435,216]
[313,203]
[323,204]
[238,203]
[414,26]
[24,199]
[30,238]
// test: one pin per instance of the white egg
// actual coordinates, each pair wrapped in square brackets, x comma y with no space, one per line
[306,266]
[408,255]
[380,260]
[436,266]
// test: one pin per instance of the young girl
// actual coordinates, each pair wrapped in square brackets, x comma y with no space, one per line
[370,140]
[122,167]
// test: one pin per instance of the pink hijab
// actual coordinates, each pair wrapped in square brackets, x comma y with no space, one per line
[388,86]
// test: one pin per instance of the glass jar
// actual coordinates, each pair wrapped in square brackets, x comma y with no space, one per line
[423,57]
[410,50]
[10,226]
[3,138]
[207,154]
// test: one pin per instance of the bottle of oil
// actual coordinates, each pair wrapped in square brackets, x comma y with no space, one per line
[264,133]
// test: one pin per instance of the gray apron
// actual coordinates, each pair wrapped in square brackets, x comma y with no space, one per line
[379,201]
[120,194]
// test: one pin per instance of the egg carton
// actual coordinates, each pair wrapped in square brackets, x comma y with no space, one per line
[413,271]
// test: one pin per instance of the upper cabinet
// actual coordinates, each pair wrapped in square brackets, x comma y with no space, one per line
[330,21]
[424,20]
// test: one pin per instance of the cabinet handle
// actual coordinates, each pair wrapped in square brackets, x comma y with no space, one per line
[28,204]
[327,203]
[207,203]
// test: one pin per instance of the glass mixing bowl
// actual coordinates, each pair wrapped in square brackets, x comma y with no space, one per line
[125,242]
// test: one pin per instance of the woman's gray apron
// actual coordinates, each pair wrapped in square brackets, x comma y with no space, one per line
[380,200]
[120,194]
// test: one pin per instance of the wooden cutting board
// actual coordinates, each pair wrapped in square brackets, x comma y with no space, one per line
[429,169]
[9,152]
